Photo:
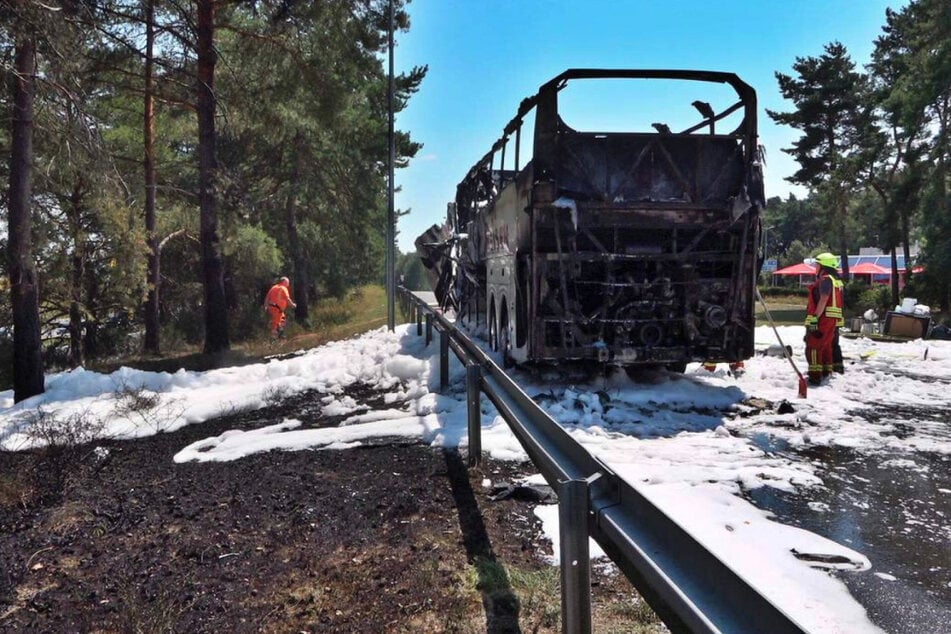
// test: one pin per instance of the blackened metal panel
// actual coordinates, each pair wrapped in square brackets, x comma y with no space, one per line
[648,168]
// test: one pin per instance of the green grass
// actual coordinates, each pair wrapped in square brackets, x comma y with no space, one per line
[788,310]
[538,592]
[331,319]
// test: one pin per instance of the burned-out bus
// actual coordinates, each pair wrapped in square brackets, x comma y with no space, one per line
[638,247]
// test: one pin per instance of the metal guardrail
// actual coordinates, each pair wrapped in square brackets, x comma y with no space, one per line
[687,585]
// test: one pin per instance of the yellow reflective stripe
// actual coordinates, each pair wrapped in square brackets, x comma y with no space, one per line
[833,309]
[839,318]
[836,283]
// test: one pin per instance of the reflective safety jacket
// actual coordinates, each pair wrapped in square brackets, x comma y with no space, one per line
[833,309]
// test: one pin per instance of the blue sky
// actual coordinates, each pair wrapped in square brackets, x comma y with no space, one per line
[485,56]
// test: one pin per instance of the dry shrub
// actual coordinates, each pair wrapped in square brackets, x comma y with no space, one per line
[60,445]
[144,408]
[134,399]
[62,435]
[14,491]
[65,519]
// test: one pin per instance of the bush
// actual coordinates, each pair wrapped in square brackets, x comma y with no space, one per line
[119,335]
[50,433]
[183,326]
[144,408]
[254,264]
[248,320]
[860,298]
[852,295]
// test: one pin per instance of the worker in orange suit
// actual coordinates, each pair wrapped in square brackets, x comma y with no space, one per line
[823,318]
[276,303]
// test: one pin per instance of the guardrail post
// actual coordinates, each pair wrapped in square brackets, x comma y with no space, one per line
[443,360]
[429,328]
[575,557]
[474,408]
[419,321]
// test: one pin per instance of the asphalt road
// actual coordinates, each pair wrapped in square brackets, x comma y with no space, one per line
[896,510]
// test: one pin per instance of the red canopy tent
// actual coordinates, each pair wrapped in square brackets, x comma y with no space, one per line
[798,269]
[871,269]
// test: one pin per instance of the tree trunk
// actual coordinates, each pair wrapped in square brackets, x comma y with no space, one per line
[906,249]
[301,285]
[76,313]
[941,180]
[77,268]
[843,236]
[894,275]
[894,235]
[91,281]
[216,309]
[151,344]
[24,291]
[943,190]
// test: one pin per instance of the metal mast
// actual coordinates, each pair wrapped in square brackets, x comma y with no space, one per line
[391,213]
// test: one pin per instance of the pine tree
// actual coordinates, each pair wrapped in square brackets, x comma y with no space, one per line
[216,309]
[833,119]
[913,57]
[24,283]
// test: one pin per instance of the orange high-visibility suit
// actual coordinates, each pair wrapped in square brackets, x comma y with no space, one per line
[823,319]
[276,302]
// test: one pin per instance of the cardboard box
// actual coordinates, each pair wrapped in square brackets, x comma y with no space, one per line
[902,325]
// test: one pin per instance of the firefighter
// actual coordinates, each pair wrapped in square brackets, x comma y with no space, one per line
[276,302]
[823,319]
[838,361]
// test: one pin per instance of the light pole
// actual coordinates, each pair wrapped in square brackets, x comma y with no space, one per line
[390,212]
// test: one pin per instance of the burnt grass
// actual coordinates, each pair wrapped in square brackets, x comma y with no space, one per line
[392,536]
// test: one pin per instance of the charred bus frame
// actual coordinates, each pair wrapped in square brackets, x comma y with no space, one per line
[629,248]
